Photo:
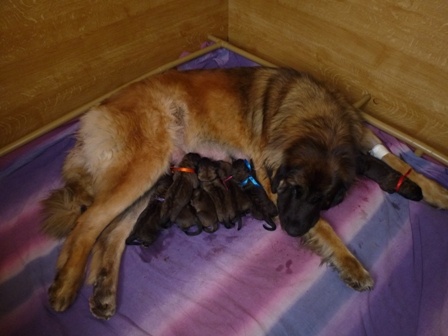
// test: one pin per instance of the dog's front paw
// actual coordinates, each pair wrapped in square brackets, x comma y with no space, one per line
[355,275]
[434,194]
[62,293]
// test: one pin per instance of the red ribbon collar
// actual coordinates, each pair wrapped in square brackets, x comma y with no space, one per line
[401,180]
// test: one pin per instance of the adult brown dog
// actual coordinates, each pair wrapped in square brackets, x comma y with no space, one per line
[297,132]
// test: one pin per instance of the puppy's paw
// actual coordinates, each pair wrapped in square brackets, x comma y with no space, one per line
[62,292]
[355,275]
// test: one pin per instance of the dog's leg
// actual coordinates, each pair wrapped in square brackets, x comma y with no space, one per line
[129,184]
[433,193]
[323,241]
[106,259]
[263,178]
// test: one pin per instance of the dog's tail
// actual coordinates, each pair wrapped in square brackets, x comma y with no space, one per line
[61,210]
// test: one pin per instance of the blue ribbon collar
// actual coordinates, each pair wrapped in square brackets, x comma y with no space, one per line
[250,178]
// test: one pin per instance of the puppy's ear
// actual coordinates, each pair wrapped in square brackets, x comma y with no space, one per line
[278,183]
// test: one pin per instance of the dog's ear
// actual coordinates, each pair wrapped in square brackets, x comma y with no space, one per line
[278,183]
[338,197]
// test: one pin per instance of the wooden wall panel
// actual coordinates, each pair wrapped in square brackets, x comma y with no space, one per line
[394,50]
[59,55]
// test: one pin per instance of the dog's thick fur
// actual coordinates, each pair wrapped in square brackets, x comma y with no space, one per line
[296,131]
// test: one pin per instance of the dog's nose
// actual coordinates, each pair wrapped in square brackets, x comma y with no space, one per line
[299,228]
[294,231]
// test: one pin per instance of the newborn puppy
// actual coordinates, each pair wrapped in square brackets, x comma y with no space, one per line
[179,194]
[262,208]
[148,225]
[240,200]
[205,210]
[211,183]
[188,221]
[388,179]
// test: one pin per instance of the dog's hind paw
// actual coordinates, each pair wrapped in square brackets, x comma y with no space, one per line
[62,294]
[355,276]
[103,304]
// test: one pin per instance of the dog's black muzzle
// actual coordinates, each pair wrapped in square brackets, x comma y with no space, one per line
[297,217]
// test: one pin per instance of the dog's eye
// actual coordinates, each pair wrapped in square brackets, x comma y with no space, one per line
[339,197]
[335,199]
[297,191]
[316,198]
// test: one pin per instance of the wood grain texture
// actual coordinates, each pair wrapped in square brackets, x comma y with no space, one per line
[394,50]
[59,55]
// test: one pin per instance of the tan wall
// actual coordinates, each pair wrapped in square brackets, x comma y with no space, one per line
[395,50]
[58,55]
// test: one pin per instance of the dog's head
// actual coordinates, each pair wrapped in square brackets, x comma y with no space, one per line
[311,178]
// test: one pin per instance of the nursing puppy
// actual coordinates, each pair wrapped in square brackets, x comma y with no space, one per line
[178,195]
[210,182]
[261,206]
[149,224]
[303,136]
[239,199]
[188,221]
[205,210]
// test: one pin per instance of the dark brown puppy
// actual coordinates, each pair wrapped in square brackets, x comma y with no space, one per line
[261,207]
[149,224]
[185,180]
[240,200]
[388,179]
[188,221]
[205,210]
[211,183]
